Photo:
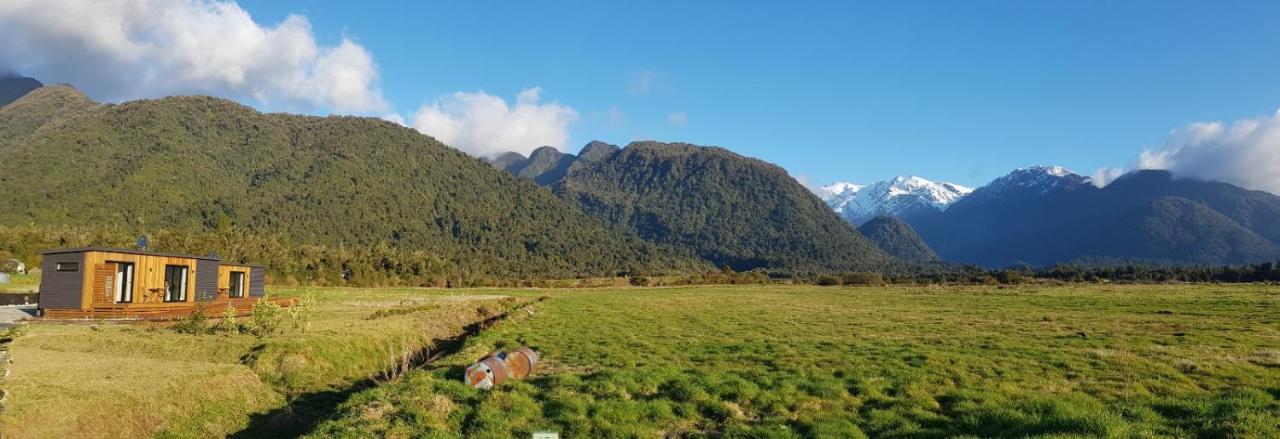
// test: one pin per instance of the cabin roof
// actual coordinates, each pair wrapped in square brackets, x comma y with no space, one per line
[243,264]
[140,252]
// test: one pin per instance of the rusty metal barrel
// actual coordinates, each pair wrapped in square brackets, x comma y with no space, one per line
[497,367]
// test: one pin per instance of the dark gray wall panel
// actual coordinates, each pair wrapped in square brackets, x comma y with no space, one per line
[257,281]
[206,280]
[62,289]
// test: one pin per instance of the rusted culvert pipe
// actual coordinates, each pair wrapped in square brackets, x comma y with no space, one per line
[497,367]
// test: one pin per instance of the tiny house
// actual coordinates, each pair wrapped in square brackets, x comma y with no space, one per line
[97,282]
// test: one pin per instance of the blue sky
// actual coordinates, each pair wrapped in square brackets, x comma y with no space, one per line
[962,91]
[957,91]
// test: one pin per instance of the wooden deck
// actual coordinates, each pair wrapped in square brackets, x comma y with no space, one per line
[150,312]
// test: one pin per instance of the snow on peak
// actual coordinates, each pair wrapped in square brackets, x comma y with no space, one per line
[1033,181]
[1056,171]
[1040,176]
[859,204]
[838,188]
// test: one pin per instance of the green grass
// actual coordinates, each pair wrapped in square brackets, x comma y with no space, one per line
[138,380]
[21,283]
[778,361]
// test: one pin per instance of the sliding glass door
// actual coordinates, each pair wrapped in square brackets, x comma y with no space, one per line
[124,282]
[175,283]
[236,289]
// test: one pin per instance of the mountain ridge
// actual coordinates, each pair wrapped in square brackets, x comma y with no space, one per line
[898,239]
[903,196]
[732,210]
[192,163]
[1047,215]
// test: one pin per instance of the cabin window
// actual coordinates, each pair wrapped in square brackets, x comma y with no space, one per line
[124,282]
[67,266]
[237,284]
[175,283]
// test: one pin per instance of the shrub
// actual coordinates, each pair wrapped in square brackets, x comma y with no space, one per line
[640,281]
[1011,277]
[228,323]
[195,323]
[863,279]
[300,313]
[266,317]
[828,280]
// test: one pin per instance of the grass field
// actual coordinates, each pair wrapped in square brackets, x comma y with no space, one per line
[741,361]
[139,380]
[1074,361]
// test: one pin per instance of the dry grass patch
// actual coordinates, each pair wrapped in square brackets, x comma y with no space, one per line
[139,380]
[73,394]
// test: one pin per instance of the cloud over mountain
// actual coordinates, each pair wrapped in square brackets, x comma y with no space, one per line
[1245,153]
[484,125]
[127,49]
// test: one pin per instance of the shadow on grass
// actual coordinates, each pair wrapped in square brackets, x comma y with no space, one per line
[303,413]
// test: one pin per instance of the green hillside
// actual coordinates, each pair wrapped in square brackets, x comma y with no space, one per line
[196,164]
[728,209]
[897,238]
[1178,226]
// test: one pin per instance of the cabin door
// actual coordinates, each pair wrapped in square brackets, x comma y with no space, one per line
[175,283]
[124,282]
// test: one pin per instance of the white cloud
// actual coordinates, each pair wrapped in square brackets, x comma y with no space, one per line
[484,125]
[1245,153]
[678,119]
[394,118]
[1104,176]
[127,49]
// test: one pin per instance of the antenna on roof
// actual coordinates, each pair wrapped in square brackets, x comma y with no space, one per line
[142,242]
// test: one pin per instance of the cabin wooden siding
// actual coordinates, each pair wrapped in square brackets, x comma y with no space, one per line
[148,278]
[61,289]
[224,278]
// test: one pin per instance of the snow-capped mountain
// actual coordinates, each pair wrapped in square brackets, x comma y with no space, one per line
[901,196]
[1029,182]
[838,188]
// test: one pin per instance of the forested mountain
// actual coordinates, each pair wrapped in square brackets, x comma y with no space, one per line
[508,161]
[546,165]
[360,195]
[193,164]
[1048,215]
[1179,230]
[43,107]
[728,209]
[13,87]
[594,152]
[898,239]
